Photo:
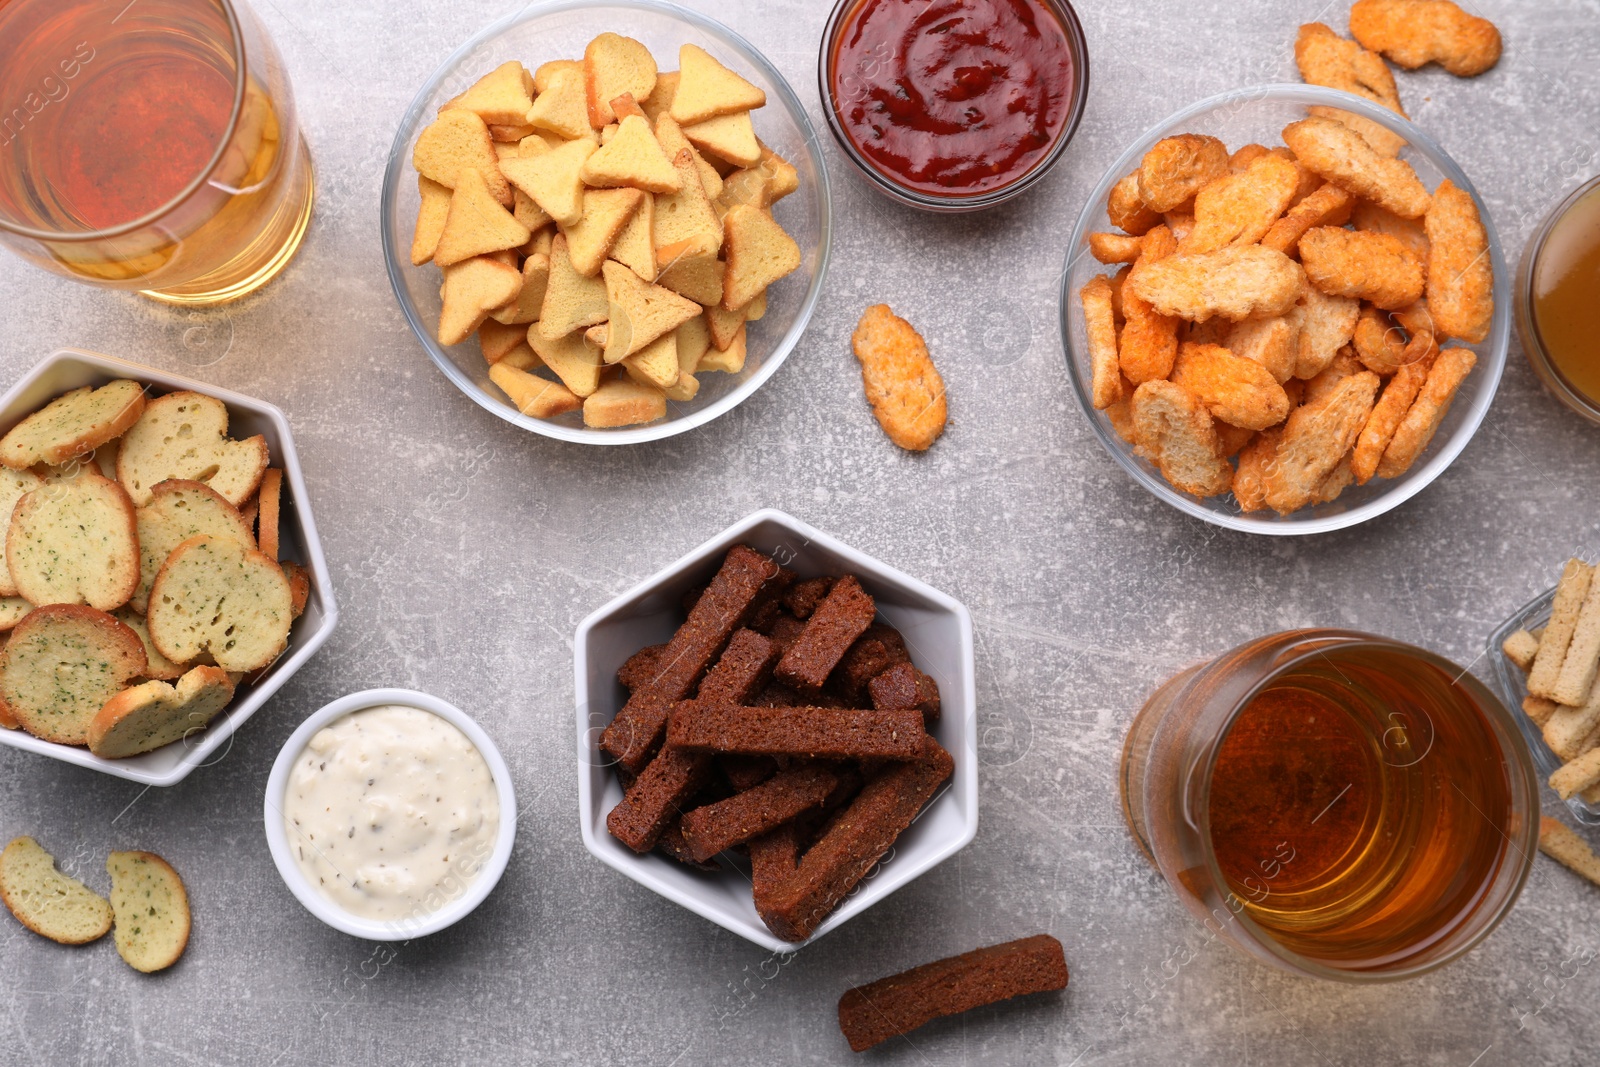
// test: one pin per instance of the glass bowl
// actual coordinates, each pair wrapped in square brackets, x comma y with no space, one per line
[1258,114]
[1533,345]
[892,187]
[1512,685]
[561,30]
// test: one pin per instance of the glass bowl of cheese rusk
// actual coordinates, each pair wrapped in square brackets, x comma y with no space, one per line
[607,222]
[162,578]
[1277,327]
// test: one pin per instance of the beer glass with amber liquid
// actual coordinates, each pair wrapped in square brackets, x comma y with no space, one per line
[149,145]
[1335,804]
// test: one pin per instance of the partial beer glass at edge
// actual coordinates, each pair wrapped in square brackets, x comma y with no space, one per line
[149,145]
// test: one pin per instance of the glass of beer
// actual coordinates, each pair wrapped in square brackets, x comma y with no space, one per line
[1335,804]
[149,145]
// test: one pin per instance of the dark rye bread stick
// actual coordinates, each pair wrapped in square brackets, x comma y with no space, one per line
[657,796]
[808,732]
[804,597]
[874,652]
[741,672]
[636,731]
[871,1014]
[718,827]
[673,846]
[772,860]
[903,686]
[768,607]
[746,772]
[639,668]
[854,841]
[844,615]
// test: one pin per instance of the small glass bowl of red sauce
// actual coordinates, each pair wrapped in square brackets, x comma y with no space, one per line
[953,105]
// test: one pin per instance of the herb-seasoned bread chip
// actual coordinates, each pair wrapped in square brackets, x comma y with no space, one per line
[178,510]
[455,141]
[46,901]
[1237,282]
[13,609]
[470,291]
[1175,432]
[614,65]
[623,402]
[639,311]
[1342,156]
[73,425]
[156,665]
[759,252]
[1460,284]
[632,159]
[476,224]
[151,908]
[553,180]
[184,435]
[299,586]
[74,542]
[1416,32]
[572,300]
[154,713]
[707,89]
[61,665]
[1176,168]
[1361,266]
[13,486]
[219,596]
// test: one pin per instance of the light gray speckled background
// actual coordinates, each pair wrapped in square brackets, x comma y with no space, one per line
[464,551]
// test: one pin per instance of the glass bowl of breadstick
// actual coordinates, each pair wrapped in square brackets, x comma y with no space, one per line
[642,231]
[1261,321]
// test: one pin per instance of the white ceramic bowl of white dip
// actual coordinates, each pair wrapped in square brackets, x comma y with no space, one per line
[436,906]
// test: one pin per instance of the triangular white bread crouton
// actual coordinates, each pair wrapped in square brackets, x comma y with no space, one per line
[728,137]
[500,97]
[635,246]
[219,596]
[73,425]
[623,402]
[50,903]
[656,363]
[633,159]
[184,435]
[669,135]
[759,252]
[533,395]
[560,106]
[707,89]
[685,221]
[154,713]
[571,300]
[605,213]
[639,312]
[470,291]
[432,210]
[613,65]
[476,224]
[571,357]
[455,141]
[552,180]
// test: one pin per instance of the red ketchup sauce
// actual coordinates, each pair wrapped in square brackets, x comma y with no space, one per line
[953,97]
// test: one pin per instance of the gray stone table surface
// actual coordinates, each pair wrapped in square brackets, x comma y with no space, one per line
[464,551]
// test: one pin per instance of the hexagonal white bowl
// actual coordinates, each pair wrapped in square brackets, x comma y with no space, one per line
[71,368]
[938,632]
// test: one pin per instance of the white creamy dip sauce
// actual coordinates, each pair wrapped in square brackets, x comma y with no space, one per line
[391,812]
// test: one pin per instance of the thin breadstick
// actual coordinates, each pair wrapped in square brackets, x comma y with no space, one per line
[1558,842]
[1578,775]
[1567,730]
[1570,594]
[1583,653]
